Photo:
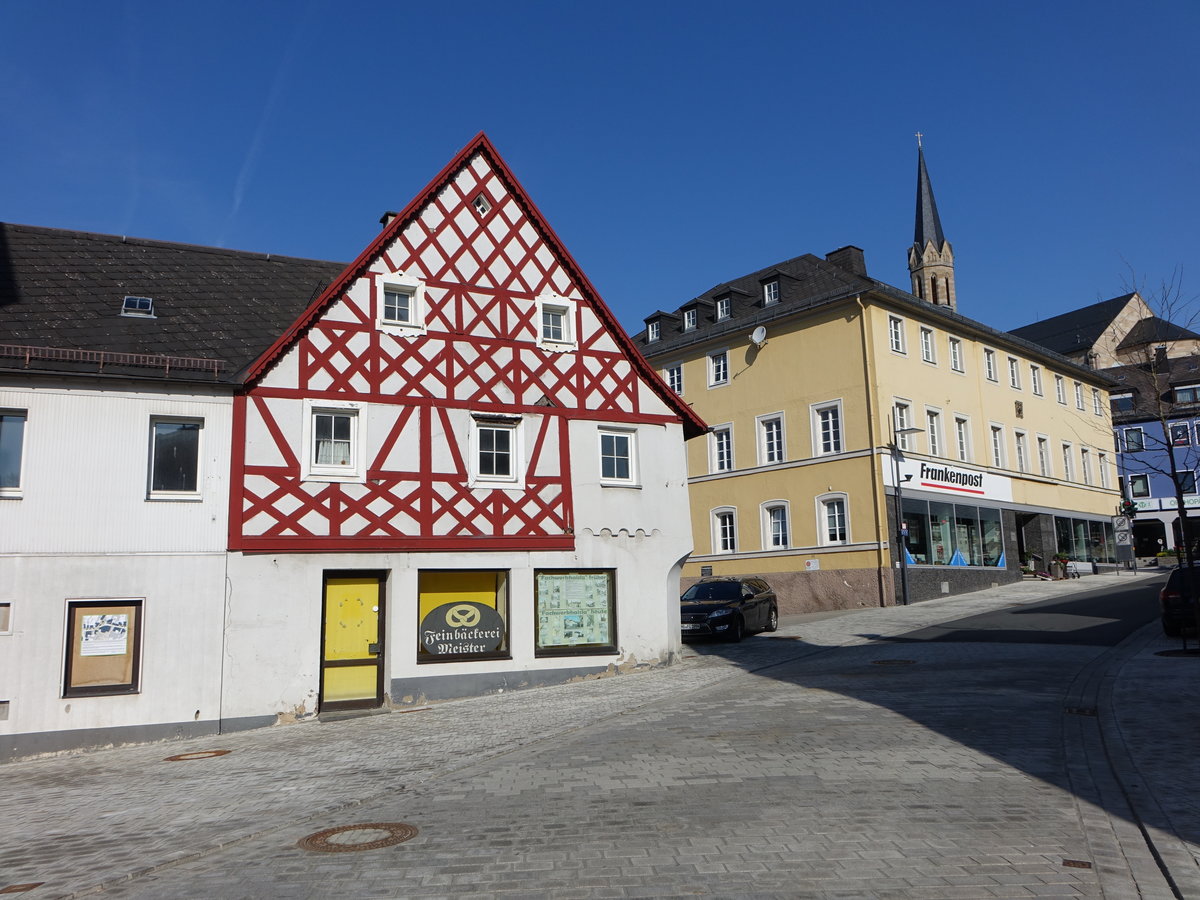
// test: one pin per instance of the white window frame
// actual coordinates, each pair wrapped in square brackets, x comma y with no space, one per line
[1097,406]
[770,292]
[723,308]
[1021,445]
[769,509]
[928,353]
[515,479]
[901,411]
[555,304]
[956,355]
[653,332]
[823,502]
[818,433]
[989,365]
[763,426]
[629,436]
[1102,464]
[933,431]
[720,449]
[1085,464]
[355,470]
[196,493]
[1182,489]
[896,336]
[408,284]
[690,318]
[1068,462]
[724,530]
[997,444]
[1014,373]
[962,437]
[714,368]
[1045,468]
[673,376]
[15,491]
[1035,379]
[1079,395]
[1060,389]
[1141,433]
[1139,478]
[6,627]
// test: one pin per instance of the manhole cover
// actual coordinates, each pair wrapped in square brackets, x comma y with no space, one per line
[351,838]
[894,662]
[199,754]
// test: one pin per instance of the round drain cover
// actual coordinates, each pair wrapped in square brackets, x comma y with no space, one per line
[199,754]
[351,838]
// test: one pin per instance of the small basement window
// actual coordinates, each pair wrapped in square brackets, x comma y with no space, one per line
[138,306]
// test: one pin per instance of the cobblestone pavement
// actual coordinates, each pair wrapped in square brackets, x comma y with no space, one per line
[830,760]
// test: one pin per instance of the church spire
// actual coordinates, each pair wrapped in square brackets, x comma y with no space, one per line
[930,258]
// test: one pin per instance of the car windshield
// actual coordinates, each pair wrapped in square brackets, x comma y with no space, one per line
[714,590]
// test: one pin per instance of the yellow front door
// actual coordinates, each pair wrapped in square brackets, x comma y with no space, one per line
[352,643]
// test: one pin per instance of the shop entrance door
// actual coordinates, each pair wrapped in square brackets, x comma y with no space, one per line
[352,641]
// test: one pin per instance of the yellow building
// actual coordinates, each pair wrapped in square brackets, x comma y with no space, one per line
[807,370]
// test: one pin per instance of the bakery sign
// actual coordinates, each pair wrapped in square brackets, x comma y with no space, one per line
[945,478]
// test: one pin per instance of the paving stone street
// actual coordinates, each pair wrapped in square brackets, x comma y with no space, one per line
[833,759]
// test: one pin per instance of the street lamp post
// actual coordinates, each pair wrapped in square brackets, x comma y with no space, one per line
[901,530]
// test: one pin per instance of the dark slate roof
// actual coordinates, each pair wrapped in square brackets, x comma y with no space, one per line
[1152,390]
[64,289]
[1076,331]
[1153,330]
[928,225]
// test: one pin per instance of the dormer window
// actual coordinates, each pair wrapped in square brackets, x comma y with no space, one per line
[1122,403]
[722,308]
[1185,393]
[689,319]
[770,292]
[138,306]
[652,332]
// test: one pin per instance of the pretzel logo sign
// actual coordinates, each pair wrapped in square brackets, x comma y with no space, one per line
[462,629]
[464,615]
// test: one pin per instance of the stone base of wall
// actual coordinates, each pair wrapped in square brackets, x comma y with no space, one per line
[829,589]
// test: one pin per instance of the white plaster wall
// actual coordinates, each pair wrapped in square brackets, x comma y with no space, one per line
[85,473]
[181,638]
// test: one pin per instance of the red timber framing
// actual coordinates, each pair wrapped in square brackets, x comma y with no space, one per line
[483,268]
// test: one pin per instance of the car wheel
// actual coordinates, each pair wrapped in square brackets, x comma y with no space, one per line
[736,631]
[773,620]
[1172,629]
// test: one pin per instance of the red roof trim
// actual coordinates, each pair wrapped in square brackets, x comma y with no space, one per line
[693,425]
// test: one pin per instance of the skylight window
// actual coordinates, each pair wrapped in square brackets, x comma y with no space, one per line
[137,306]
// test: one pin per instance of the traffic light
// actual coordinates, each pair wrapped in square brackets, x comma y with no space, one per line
[1128,508]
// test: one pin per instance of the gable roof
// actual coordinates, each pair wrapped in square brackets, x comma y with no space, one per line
[1153,330]
[1076,331]
[215,310]
[479,146]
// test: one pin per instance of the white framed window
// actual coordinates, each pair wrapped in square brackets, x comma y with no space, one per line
[556,323]
[1122,402]
[1014,373]
[1043,451]
[1068,466]
[1035,379]
[400,304]
[689,319]
[721,449]
[1186,480]
[724,523]
[1135,440]
[1022,444]
[1060,390]
[718,368]
[12,450]
[1139,485]
[833,521]
[896,334]
[770,292]
[827,428]
[333,446]
[174,471]
[1078,395]
[618,459]
[997,438]
[497,451]
[927,348]
[722,308]
[1097,405]
[1085,465]
[962,438]
[902,416]
[674,378]
[956,355]
[653,332]
[933,431]
[770,439]
[989,365]
[776,530]
[1102,465]
[482,204]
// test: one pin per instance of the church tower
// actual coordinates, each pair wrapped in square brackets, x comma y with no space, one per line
[930,258]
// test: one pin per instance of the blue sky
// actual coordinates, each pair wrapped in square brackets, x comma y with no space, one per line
[672,146]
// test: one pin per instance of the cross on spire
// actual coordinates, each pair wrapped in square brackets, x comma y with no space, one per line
[919,136]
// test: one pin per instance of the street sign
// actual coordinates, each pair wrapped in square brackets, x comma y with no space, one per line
[1120,523]
[1122,537]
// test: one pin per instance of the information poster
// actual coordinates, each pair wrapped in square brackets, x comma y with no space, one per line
[103,641]
[576,612]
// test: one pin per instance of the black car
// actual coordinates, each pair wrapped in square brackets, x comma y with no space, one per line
[728,608]
[1178,602]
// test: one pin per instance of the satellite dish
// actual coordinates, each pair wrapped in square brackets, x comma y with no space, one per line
[758,336]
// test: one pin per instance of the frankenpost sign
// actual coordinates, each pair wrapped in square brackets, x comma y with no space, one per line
[946,478]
